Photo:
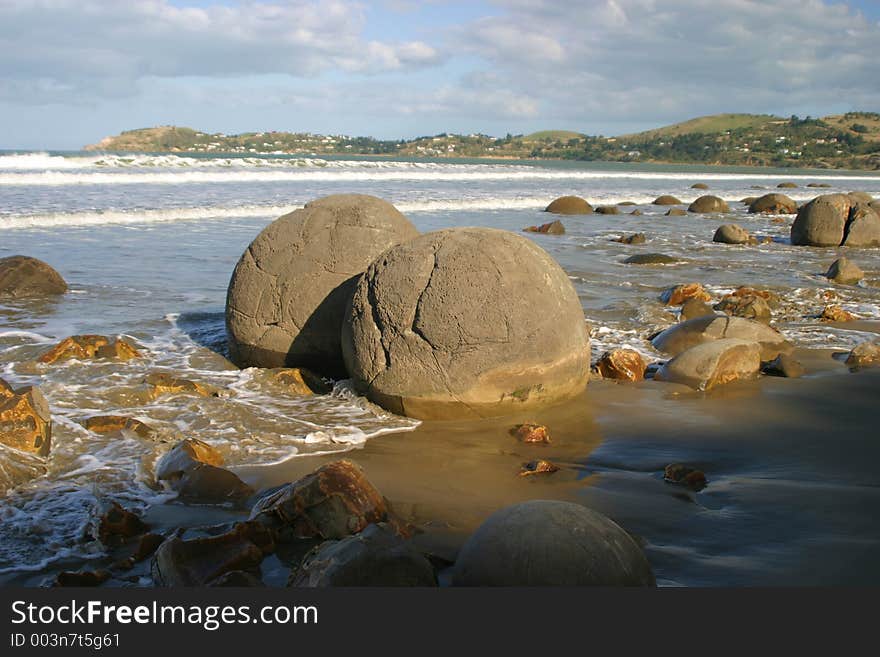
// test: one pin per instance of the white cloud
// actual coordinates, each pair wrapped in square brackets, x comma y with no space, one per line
[105,46]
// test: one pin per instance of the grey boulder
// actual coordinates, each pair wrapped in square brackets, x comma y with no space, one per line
[711,364]
[693,332]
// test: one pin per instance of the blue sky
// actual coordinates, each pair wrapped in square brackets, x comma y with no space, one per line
[73,71]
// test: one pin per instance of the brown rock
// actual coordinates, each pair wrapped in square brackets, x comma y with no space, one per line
[711,364]
[23,277]
[25,420]
[117,525]
[675,212]
[770,297]
[531,433]
[539,466]
[818,185]
[699,186]
[607,209]
[749,307]
[783,365]
[675,296]
[87,347]
[845,272]
[773,204]
[635,238]
[733,234]
[836,314]
[622,365]
[786,185]
[552,228]
[699,330]
[666,199]
[636,212]
[864,355]
[82,578]
[569,205]
[300,381]
[748,200]
[651,259]
[162,383]
[193,469]
[708,203]
[678,473]
[695,308]
[201,561]
[112,423]
[334,501]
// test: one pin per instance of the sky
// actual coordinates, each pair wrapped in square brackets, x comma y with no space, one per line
[74,71]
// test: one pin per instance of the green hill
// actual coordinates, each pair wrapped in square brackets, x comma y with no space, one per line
[553,135]
[712,124]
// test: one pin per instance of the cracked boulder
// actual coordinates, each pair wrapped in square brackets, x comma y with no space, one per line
[836,220]
[466,322]
[288,293]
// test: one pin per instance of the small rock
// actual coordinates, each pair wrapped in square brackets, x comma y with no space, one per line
[25,420]
[531,433]
[25,277]
[708,203]
[300,381]
[836,314]
[552,228]
[635,238]
[117,525]
[375,557]
[844,271]
[864,355]
[769,296]
[666,199]
[622,365]
[699,186]
[237,578]
[538,466]
[334,501]
[773,204]
[783,365]
[677,473]
[677,295]
[818,185]
[111,423]
[88,347]
[635,213]
[162,383]
[695,308]
[786,185]
[193,469]
[569,205]
[749,307]
[82,578]
[675,212]
[650,259]
[732,234]
[607,209]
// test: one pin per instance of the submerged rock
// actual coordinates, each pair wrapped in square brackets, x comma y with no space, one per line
[466,322]
[536,467]
[699,330]
[733,234]
[550,543]
[864,355]
[569,205]
[651,259]
[699,186]
[203,561]
[675,212]
[607,209]
[118,525]
[832,313]
[635,238]
[678,473]
[678,294]
[288,293]
[711,364]
[25,420]
[707,204]
[112,423]
[300,381]
[622,365]
[377,556]
[845,272]
[163,383]
[552,228]
[81,578]
[666,199]
[783,365]
[25,277]
[786,185]
[531,433]
[334,501]
[88,347]
[748,307]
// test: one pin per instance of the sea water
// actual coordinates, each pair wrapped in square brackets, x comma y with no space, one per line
[148,243]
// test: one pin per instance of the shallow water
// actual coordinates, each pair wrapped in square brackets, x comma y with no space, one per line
[148,245]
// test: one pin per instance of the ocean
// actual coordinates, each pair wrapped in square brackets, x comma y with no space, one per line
[148,243]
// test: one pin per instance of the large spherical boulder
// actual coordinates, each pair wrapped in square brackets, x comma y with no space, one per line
[773,204]
[550,543]
[466,322]
[708,203]
[836,220]
[569,205]
[23,276]
[289,290]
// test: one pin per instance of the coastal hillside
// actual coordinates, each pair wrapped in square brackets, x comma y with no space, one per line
[850,140]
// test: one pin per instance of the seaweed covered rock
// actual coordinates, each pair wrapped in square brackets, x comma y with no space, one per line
[466,322]
[288,293]
[550,543]
[569,205]
[26,277]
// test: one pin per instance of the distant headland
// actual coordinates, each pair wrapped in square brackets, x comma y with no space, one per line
[844,141]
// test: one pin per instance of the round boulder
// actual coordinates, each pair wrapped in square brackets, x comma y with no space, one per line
[466,322]
[708,203]
[666,199]
[23,276]
[569,205]
[289,290]
[861,197]
[836,220]
[713,363]
[732,234]
[550,543]
[773,204]
[845,271]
